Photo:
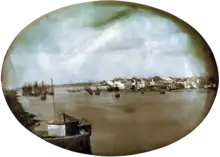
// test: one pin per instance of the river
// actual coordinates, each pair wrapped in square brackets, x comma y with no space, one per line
[134,123]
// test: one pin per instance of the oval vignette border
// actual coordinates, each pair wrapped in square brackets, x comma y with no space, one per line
[187,28]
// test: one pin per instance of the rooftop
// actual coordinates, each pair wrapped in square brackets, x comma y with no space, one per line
[84,122]
[64,119]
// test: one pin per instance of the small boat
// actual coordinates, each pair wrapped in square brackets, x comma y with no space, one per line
[110,89]
[117,95]
[90,92]
[74,91]
[44,96]
[162,92]
[71,91]
[142,91]
[97,91]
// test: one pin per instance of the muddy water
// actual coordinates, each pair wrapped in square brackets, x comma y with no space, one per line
[134,123]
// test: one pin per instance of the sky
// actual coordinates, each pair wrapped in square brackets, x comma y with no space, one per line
[93,42]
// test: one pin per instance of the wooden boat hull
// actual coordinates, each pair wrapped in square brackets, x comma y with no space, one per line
[77,143]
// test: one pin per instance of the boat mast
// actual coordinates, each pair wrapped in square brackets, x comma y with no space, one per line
[72,85]
[54,111]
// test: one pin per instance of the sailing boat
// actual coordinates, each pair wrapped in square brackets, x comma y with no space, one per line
[51,88]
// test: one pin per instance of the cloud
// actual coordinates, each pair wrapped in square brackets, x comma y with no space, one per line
[63,45]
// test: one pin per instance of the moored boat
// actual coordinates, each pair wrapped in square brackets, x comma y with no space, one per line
[71,91]
[97,91]
[117,94]
[162,92]
[69,133]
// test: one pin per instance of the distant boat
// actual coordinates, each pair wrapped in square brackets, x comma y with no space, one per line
[89,90]
[111,89]
[97,91]
[44,96]
[142,91]
[51,93]
[117,95]
[71,91]
[162,92]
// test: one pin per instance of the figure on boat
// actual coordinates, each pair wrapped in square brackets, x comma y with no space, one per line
[97,91]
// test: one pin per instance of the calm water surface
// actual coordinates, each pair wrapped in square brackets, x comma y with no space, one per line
[134,123]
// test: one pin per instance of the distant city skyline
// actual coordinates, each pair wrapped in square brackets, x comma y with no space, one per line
[82,43]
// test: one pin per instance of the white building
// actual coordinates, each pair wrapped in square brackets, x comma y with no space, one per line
[128,84]
[110,83]
[118,84]
[143,85]
[191,84]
